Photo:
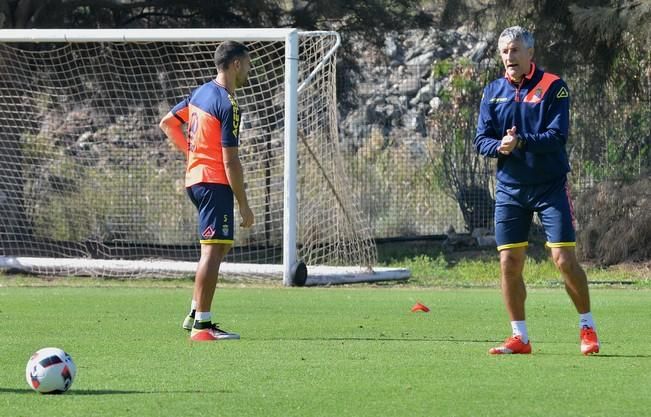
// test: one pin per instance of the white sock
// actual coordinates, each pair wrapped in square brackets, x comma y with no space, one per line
[193,306]
[520,329]
[586,320]
[203,316]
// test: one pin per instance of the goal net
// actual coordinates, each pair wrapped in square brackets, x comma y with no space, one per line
[90,185]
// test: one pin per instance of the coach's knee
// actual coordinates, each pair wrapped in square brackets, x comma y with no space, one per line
[566,262]
[511,262]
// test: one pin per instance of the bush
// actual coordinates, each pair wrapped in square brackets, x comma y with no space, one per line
[615,222]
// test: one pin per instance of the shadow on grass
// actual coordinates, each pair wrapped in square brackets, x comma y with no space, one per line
[596,355]
[436,340]
[402,250]
[110,391]
[374,339]
[605,355]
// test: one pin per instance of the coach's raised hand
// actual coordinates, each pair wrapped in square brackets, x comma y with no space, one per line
[509,142]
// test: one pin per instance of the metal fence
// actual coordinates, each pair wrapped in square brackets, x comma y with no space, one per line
[392,167]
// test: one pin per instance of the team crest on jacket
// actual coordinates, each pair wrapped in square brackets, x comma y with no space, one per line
[562,93]
[208,233]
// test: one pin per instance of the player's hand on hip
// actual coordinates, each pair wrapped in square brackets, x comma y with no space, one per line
[247,217]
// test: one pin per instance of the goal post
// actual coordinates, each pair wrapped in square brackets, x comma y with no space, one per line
[290,261]
[87,180]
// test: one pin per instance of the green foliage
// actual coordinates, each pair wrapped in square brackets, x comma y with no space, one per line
[619,161]
[630,75]
[386,168]
[484,271]
[115,204]
[464,81]
[568,33]
[442,68]
[146,217]
[110,196]
[611,133]
[463,174]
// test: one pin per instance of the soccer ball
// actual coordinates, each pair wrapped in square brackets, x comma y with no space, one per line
[50,370]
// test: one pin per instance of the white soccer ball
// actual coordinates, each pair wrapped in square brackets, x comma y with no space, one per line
[50,370]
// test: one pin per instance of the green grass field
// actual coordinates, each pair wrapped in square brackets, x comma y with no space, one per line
[348,351]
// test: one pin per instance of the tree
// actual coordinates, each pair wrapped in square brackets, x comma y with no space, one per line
[569,34]
[463,174]
[139,13]
[360,23]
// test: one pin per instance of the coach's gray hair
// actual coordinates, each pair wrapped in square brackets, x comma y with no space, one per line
[514,33]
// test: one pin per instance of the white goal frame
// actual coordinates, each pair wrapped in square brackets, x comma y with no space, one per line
[290,37]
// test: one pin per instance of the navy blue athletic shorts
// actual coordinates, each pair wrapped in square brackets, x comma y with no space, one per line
[215,205]
[514,208]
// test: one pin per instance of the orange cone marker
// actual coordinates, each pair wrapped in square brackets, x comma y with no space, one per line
[419,307]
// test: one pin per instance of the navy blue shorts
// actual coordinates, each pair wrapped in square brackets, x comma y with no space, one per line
[215,205]
[514,208]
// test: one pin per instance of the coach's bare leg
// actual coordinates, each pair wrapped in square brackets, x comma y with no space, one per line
[513,288]
[207,274]
[576,282]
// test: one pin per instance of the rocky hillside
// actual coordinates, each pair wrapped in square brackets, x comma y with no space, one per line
[396,90]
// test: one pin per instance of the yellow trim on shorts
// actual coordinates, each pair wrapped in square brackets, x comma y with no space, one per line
[560,244]
[513,245]
[215,241]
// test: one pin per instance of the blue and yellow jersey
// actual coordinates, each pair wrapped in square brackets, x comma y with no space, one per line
[213,120]
[539,109]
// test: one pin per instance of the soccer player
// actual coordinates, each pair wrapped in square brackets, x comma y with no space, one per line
[213,176]
[524,123]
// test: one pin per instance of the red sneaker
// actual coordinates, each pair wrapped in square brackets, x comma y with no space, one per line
[512,345]
[209,332]
[589,341]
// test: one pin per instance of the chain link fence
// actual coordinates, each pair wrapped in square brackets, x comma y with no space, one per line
[395,162]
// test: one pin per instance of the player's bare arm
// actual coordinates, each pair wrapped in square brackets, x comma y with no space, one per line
[173,129]
[235,175]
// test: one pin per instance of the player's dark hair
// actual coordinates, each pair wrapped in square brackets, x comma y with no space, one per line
[228,52]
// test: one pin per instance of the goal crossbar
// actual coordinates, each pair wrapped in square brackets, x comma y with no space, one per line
[142,35]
